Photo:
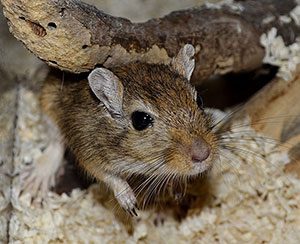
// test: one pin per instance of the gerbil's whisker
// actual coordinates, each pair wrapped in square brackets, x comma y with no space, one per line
[258,156]
[152,190]
[269,120]
[160,182]
[147,193]
[164,184]
[226,117]
[155,167]
[151,168]
[243,150]
[138,167]
[256,139]
[226,154]
[142,186]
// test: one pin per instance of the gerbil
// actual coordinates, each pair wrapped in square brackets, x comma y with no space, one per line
[134,119]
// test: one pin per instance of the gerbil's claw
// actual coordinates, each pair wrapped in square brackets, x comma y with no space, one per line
[40,176]
[133,210]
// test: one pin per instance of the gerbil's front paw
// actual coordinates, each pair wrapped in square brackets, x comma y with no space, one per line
[122,191]
[40,176]
[127,200]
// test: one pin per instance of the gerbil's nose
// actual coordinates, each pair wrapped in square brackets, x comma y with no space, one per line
[200,150]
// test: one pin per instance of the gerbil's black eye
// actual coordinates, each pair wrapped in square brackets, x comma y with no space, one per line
[141,120]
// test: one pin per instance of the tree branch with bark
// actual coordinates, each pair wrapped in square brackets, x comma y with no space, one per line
[75,36]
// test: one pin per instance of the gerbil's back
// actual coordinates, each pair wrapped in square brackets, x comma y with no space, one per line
[69,102]
[62,94]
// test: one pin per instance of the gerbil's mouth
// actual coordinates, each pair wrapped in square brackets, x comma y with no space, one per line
[200,167]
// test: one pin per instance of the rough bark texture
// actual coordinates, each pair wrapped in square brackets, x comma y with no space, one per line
[77,37]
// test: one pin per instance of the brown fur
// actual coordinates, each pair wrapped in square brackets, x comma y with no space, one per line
[103,143]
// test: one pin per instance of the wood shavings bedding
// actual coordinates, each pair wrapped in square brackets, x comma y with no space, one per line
[235,6]
[6,142]
[253,201]
[285,57]
[277,53]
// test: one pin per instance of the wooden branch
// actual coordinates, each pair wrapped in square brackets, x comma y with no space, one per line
[77,37]
[275,112]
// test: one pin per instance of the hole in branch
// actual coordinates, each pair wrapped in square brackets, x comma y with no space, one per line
[51,25]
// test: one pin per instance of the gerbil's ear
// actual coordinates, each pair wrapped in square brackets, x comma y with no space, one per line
[184,62]
[108,89]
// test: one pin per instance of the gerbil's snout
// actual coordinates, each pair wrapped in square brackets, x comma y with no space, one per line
[191,153]
[200,150]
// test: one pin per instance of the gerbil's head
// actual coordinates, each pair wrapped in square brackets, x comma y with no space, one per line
[153,113]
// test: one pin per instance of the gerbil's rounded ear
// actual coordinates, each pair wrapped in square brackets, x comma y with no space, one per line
[108,89]
[184,62]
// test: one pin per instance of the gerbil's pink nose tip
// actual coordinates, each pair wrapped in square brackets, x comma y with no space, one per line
[200,151]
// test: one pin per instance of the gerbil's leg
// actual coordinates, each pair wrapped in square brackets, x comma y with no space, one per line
[40,176]
[122,191]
